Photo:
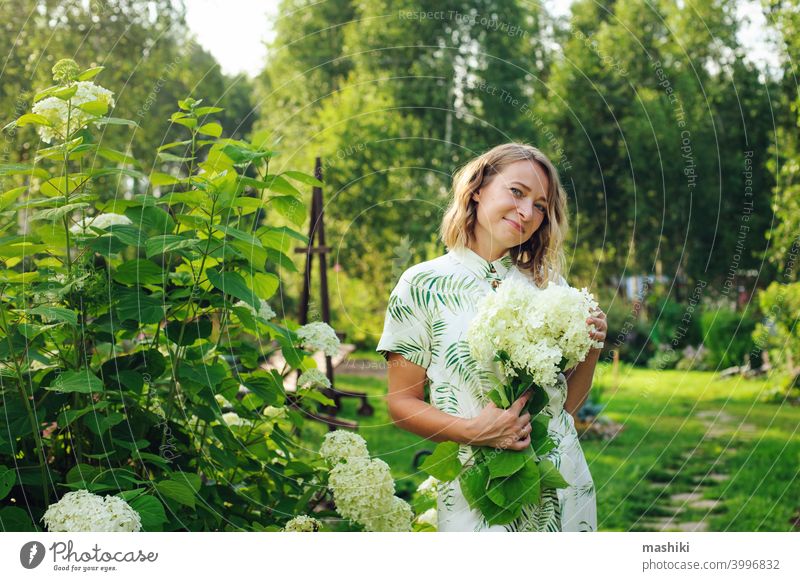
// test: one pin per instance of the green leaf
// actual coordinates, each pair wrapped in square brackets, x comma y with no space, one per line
[177,491]
[117,156]
[10,169]
[115,121]
[168,243]
[551,477]
[212,129]
[11,196]
[45,93]
[139,271]
[98,108]
[31,119]
[291,208]
[303,177]
[14,519]
[100,423]
[56,313]
[66,417]
[517,490]
[162,179]
[233,284]
[443,464]
[66,93]
[83,381]
[473,483]
[268,387]
[282,186]
[150,510]
[201,111]
[238,234]
[264,284]
[7,479]
[192,331]
[207,375]
[90,73]
[135,305]
[506,462]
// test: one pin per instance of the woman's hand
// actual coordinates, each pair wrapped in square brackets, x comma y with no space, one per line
[500,428]
[598,319]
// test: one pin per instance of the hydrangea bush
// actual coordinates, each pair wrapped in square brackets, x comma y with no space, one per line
[133,328]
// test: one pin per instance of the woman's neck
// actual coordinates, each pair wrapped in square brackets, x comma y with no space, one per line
[487,250]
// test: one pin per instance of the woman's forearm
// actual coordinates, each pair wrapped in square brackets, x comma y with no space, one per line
[579,382]
[421,418]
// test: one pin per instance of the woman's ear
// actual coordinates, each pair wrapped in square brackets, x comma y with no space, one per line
[476,196]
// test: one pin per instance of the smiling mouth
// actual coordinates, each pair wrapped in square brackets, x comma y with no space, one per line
[514,224]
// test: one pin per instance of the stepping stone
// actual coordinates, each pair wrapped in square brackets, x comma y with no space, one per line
[705,504]
[715,416]
[717,477]
[685,497]
[693,527]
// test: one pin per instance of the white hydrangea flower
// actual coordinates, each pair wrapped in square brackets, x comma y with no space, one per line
[313,378]
[274,413]
[221,401]
[397,519]
[363,489]
[264,312]
[101,221]
[341,444]
[82,511]
[535,327]
[57,111]
[429,517]
[319,337]
[233,419]
[429,485]
[303,524]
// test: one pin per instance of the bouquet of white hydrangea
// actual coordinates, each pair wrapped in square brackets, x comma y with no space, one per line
[82,511]
[527,337]
[530,336]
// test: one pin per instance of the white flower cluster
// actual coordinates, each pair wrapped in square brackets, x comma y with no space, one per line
[302,524]
[82,511]
[57,111]
[319,337]
[313,378]
[233,419]
[342,445]
[536,328]
[101,221]
[264,312]
[363,488]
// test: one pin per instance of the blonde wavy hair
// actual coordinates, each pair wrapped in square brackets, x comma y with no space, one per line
[541,256]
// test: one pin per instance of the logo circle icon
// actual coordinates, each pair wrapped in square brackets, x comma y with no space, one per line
[31,554]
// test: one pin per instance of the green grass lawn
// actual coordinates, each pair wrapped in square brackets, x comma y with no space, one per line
[660,452]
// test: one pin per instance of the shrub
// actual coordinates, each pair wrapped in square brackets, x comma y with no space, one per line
[116,317]
[727,335]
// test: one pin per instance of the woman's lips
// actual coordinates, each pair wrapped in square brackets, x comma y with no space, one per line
[514,224]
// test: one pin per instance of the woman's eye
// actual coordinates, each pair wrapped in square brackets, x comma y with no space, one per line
[517,192]
[541,208]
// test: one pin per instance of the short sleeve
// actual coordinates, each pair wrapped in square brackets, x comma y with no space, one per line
[406,327]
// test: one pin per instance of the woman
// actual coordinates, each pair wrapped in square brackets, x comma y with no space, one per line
[507,219]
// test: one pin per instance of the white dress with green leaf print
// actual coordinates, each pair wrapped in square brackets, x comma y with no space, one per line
[426,322]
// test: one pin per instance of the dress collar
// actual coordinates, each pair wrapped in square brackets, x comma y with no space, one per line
[480,267]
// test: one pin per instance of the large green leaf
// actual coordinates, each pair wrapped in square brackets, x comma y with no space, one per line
[443,463]
[199,328]
[551,477]
[290,207]
[506,462]
[150,510]
[168,243]
[56,313]
[7,479]
[138,271]
[233,284]
[82,381]
[177,491]
[134,304]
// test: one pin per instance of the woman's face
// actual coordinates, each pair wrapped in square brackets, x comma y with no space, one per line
[512,205]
